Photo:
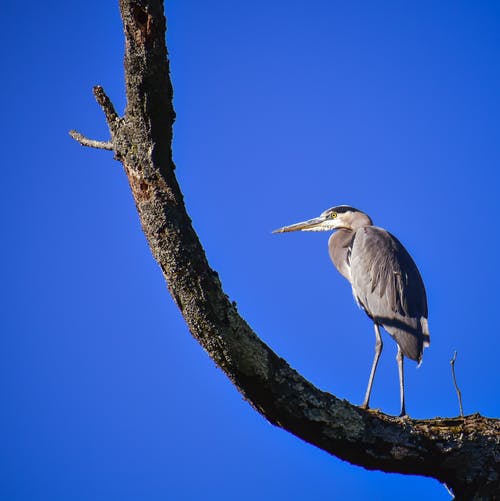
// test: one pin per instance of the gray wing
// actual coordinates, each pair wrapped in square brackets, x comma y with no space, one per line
[388,286]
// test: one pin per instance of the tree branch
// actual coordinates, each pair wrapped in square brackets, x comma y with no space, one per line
[105,103]
[461,452]
[92,143]
[112,119]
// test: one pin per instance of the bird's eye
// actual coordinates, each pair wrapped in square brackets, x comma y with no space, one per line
[333,215]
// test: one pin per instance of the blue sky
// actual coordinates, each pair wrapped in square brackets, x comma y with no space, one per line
[284,109]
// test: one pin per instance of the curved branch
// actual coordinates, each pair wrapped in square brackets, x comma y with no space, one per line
[461,452]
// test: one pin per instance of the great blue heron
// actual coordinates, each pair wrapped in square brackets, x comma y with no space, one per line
[385,282]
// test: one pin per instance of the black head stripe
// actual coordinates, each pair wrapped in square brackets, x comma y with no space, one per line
[340,209]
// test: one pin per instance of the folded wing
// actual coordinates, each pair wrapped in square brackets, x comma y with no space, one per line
[387,284]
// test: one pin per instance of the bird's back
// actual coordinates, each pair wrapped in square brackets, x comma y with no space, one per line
[386,282]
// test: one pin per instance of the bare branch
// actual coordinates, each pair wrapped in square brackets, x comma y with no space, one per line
[106,104]
[91,143]
[459,393]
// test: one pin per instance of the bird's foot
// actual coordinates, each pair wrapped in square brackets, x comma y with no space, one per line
[366,407]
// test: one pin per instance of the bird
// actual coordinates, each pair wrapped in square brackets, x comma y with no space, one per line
[385,281]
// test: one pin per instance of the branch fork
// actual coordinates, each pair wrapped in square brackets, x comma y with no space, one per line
[111,118]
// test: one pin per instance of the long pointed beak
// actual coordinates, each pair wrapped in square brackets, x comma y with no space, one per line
[304,225]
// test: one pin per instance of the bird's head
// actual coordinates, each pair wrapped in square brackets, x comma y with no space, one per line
[341,216]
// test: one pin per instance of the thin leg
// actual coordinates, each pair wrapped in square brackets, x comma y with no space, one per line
[400,359]
[378,350]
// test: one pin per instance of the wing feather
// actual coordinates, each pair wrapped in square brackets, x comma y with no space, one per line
[388,285]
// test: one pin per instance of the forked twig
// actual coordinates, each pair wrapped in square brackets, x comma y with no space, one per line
[112,119]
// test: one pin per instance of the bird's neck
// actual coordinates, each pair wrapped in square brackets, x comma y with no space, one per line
[361,221]
[339,248]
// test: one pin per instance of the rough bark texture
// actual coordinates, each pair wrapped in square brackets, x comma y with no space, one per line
[461,452]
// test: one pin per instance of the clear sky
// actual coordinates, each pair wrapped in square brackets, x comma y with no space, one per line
[285,108]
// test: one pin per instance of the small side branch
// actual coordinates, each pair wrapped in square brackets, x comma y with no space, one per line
[91,143]
[107,106]
[459,393]
[112,120]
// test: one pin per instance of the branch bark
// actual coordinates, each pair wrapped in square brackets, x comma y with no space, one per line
[91,143]
[461,452]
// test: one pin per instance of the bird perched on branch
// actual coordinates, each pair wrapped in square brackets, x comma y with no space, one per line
[385,282]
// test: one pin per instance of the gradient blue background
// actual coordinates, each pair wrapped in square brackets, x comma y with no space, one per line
[284,109]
